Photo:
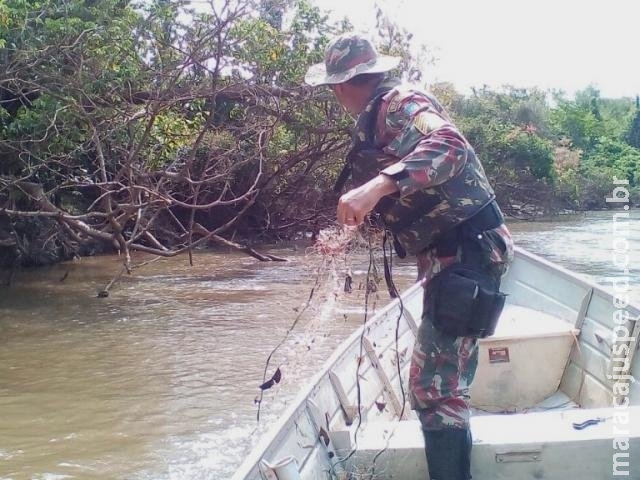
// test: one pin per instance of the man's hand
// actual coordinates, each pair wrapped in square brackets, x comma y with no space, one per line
[354,205]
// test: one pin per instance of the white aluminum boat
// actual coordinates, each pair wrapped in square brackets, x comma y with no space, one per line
[554,395]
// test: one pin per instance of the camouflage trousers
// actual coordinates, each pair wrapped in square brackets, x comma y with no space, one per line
[443,366]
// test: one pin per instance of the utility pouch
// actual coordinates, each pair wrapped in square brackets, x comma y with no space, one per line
[464,301]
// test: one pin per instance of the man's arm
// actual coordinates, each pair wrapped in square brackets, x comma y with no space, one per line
[416,129]
[354,205]
[429,148]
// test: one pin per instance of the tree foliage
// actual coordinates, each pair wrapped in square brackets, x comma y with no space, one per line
[543,152]
[159,127]
[633,137]
[510,132]
[156,128]
[598,129]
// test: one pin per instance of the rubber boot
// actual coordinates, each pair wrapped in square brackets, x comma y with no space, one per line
[448,453]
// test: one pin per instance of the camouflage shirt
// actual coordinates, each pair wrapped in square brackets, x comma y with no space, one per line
[407,135]
[413,126]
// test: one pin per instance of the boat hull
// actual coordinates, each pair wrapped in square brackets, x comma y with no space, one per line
[352,420]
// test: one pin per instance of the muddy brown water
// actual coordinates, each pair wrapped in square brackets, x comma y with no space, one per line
[159,380]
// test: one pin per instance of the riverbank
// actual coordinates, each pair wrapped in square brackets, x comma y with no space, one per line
[33,247]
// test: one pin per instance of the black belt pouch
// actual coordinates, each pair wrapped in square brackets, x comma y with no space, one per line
[464,301]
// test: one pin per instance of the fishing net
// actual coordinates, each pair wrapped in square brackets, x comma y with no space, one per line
[344,289]
[347,283]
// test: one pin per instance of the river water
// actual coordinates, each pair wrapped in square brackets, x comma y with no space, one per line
[159,380]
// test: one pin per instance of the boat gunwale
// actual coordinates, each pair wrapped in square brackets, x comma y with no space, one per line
[299,403]
[548,265]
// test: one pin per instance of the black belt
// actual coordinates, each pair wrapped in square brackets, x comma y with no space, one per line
[486,219]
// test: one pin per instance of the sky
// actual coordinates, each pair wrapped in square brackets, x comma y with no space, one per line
[551,44]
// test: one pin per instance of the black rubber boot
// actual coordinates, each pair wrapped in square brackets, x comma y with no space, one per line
[448,453]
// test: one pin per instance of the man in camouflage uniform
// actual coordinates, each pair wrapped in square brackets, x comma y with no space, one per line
[413,166]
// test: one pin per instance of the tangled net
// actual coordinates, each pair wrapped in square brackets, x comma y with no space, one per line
[338,257]
[333,241]
[330,257]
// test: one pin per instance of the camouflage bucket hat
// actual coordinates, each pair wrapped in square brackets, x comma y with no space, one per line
[345,57]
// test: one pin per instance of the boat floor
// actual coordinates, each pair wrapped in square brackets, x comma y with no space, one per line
[557,401]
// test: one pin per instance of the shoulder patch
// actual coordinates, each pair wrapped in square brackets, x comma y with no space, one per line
[421,123]
[425,122]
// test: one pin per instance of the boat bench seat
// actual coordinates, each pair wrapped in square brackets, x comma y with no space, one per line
[538,445]
[523,362]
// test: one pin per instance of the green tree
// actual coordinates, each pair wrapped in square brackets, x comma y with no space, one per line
[597,129]
[633,136]
[509,130]
[576,121]
[616,157]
